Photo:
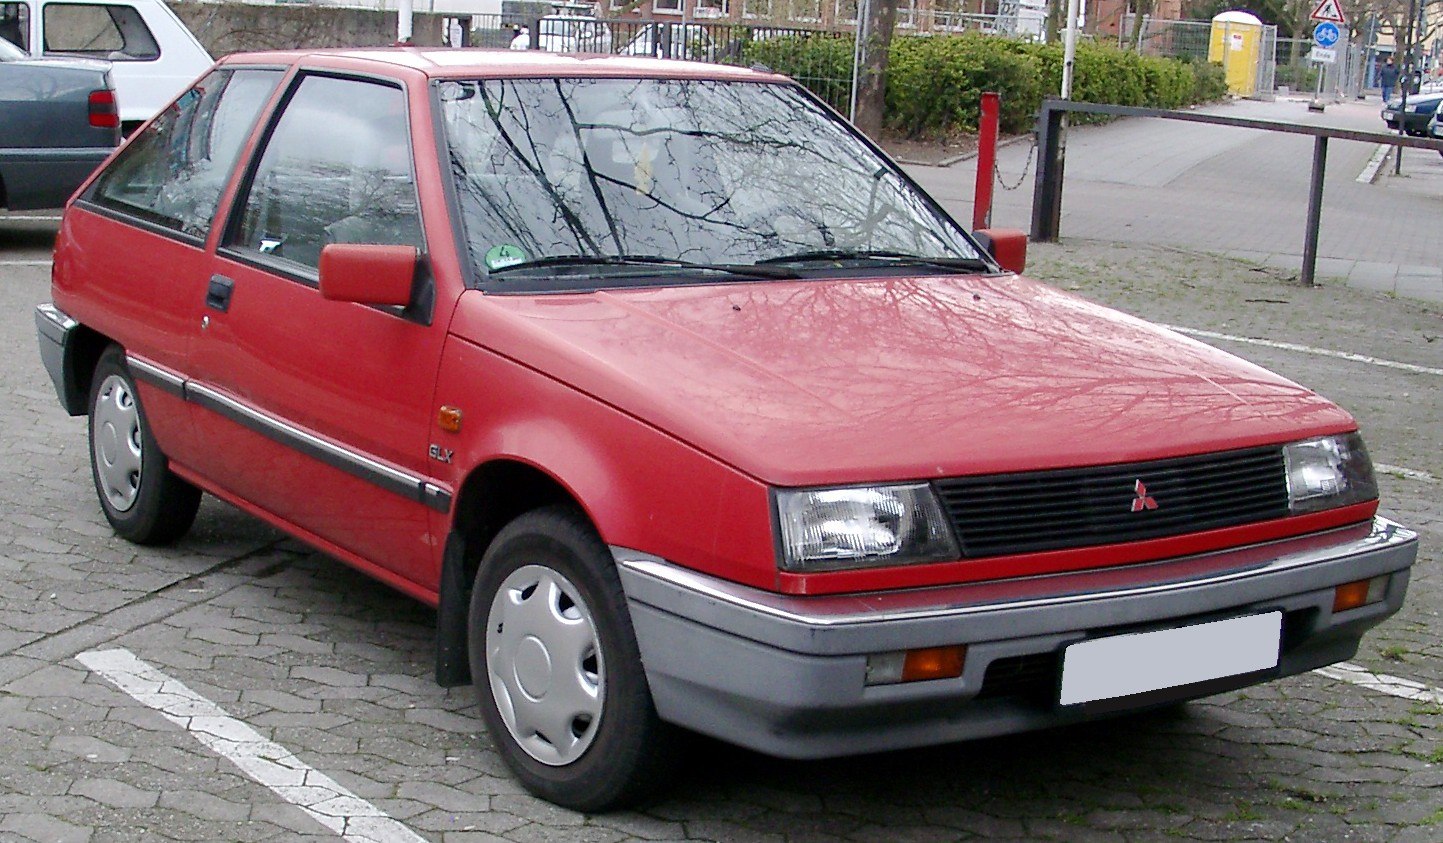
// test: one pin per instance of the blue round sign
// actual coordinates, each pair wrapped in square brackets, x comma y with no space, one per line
[1326,34]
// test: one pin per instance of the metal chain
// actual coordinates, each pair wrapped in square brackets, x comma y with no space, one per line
[1031,152]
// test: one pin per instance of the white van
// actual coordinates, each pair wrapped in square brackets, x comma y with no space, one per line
[153,56]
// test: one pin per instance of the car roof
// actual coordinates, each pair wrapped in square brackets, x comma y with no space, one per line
[450,63]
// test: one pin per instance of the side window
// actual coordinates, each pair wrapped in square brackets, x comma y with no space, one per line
[116,33]
[336,169]
[15,24]
[172,173]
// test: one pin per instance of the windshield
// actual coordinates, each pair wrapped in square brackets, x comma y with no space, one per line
[579,178]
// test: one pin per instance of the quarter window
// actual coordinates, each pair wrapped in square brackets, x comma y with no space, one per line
[109,32]
[172,173]
[337,169]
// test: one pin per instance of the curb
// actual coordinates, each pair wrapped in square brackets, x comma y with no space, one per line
[961,156]
[1376,163]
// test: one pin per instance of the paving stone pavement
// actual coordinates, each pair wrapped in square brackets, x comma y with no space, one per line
[335,667]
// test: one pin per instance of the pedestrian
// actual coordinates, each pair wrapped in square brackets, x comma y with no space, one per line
[520,38]
[1387,78]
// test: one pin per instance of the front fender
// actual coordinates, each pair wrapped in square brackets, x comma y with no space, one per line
[641,487]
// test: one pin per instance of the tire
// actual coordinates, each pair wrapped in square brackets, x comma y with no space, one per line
[562,691]
[141,498]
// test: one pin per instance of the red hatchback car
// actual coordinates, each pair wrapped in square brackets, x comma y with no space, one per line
[688,410]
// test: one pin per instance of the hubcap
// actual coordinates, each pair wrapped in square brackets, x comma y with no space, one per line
[545,665]
[116,422]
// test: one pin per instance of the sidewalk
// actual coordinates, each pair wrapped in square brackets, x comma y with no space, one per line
[1236,192]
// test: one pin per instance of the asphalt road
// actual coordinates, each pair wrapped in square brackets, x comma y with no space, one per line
[279,658]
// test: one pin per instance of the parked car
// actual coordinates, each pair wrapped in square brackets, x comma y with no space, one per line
[671,41]
[153,55]
[1435,126]
[1421,108]
[58,121]
[688,410]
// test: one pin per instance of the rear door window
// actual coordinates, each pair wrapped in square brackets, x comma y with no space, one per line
[173,172]
[336,169]
[116,33]
[15,24]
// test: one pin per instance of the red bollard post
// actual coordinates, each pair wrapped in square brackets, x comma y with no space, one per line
[986,159]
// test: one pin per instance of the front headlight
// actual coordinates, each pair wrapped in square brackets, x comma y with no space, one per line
[865,526]
[1329,472]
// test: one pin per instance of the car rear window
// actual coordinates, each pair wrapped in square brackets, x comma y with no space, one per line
[173,172]
[112,32]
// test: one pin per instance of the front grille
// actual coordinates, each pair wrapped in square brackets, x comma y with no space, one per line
[1004,514]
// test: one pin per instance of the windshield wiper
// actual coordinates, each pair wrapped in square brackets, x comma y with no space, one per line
[898,258]
[746,270]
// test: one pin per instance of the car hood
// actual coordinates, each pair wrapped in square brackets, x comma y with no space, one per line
[818,382]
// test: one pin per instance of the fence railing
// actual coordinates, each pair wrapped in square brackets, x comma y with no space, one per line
[1047,190]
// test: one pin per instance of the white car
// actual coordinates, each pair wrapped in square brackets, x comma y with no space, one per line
[153,55]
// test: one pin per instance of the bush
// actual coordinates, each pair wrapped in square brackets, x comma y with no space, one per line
[1210,81]
[934,83]
[820,61]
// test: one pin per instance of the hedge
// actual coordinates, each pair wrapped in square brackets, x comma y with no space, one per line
[934,84]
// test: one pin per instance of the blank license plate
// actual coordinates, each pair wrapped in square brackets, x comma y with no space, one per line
[1122,665]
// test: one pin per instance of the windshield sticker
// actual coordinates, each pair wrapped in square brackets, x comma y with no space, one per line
[500,257]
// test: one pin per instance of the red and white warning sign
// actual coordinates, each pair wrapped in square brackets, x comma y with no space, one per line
[1330,11]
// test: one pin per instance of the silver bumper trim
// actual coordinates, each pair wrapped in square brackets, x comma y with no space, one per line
[1053,590]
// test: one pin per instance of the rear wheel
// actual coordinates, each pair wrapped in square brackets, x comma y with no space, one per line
[142,499]
[557,670]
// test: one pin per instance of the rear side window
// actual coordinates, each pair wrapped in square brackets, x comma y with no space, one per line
[336,169]
[172,173]
[109,32]
[15,24]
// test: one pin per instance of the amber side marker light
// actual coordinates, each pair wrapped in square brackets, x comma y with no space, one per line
[916,665]
[1355,594]
[449,419]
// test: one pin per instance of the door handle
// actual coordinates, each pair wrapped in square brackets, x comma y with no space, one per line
[217,293]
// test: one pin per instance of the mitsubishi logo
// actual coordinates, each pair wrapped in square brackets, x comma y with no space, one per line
[1143,499]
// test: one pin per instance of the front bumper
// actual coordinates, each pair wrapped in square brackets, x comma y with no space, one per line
[785,675]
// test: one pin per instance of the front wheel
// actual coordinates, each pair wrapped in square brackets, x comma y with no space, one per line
[557,670]
[142,499]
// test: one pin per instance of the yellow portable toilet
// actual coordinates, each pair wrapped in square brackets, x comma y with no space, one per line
[1236,42]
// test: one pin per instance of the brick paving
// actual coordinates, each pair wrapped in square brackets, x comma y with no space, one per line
[335,667]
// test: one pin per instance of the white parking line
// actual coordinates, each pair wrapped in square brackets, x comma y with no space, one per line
[1405,688]
[45,262]
[269,763]
[1308,349]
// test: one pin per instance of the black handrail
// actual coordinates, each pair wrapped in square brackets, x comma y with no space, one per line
[1047,191]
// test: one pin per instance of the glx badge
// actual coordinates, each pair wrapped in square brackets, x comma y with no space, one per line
[440,454]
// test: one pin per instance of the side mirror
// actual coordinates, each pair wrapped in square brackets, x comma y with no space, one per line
[368,274]
[1007,246]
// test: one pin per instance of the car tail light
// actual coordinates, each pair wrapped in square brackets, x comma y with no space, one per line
[103,112]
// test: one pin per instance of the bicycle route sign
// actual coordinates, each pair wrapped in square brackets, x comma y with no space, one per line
[1326,34]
